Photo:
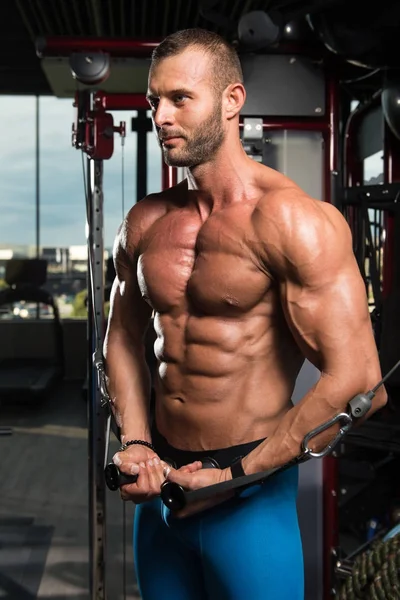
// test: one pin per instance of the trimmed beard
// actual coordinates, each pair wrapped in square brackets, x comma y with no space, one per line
[202,145]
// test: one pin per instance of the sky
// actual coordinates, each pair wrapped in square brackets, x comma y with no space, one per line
[62,204]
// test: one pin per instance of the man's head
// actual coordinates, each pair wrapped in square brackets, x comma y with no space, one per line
[195,91]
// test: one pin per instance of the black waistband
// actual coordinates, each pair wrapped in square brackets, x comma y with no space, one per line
[223,456]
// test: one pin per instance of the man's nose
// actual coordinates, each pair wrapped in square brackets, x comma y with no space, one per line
[164,114]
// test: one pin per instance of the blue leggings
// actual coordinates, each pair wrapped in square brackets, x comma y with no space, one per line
[247,547]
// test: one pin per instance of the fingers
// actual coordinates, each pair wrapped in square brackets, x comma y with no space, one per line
[151,473]
[148,485]
[192,467]
[166,470]
[155,474]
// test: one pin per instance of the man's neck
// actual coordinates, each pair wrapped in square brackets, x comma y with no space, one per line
[223,180]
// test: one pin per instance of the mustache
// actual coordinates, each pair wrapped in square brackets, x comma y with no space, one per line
[163,135]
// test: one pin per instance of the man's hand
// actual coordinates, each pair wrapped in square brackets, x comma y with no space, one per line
[192,480]
[150,469]
[143,462]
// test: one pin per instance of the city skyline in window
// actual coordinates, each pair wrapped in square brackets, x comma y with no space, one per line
[61,179]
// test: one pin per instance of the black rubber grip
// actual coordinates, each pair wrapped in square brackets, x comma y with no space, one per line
[173,495]
[114,477]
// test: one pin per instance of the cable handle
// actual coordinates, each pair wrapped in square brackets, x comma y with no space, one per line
[358,407]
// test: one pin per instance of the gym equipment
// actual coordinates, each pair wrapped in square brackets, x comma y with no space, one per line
[30,377]
[176,498]
[115,478]
[374,573]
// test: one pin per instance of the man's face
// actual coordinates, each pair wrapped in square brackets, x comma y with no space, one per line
[186,113]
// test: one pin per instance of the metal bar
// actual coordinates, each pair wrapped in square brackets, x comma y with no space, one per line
[111,18]
[37,179]
[64,46]
[25,19]
[95,10]
[41,16]
[332,155]
[96,414]
[120,101]
[78,17]
[354,175]
[330,517]
[122,17]
[386,193]
[391,167]
[141,166]
[169,176]
[66,17]
[56,19]
[143,20]
[330,520]
[37,186]
[293,124]
[134,10]
[34,17]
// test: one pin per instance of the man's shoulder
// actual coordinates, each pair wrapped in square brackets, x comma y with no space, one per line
[293,227]
[284,207]
[150,209]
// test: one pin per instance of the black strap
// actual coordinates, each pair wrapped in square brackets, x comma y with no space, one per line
[237,468]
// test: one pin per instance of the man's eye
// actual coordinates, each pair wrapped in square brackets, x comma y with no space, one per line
[153,102]
[180,98]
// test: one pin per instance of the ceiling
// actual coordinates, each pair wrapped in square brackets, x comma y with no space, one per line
[23,21]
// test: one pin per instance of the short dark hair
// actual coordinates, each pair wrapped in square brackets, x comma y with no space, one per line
[226,64]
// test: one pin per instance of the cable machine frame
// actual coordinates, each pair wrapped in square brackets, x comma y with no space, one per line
[97,105]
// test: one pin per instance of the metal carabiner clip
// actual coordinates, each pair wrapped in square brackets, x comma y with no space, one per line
[348,421]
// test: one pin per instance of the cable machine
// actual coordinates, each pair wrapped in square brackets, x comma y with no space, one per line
[93,134]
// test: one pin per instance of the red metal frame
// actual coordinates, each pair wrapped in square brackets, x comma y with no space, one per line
[353,165]
[354,171]
[330,517]
[120,101]
[354,175]
[327,125]
[65,46]
[100,146]
[391,167]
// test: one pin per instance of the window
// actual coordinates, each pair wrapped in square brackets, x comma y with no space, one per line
[373,169]
[17,183]
[17,178]
[62,204]
[154,162]
[43,201]
[119,179]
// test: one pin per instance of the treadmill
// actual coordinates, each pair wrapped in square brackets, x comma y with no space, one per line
[28,377]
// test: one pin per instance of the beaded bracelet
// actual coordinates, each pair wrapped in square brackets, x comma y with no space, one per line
[139,442]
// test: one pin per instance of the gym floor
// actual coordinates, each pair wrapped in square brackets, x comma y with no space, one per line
[44,548]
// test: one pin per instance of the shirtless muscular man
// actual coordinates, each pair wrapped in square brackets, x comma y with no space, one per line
[246,277]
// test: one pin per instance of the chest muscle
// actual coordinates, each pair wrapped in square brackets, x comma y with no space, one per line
[209,268]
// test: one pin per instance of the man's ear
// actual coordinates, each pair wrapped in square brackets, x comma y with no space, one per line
[234,98]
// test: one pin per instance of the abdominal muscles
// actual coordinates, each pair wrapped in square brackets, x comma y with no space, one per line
[227,362]
[222,381]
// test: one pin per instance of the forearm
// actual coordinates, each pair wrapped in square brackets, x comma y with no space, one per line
[326,398]
[128,379]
